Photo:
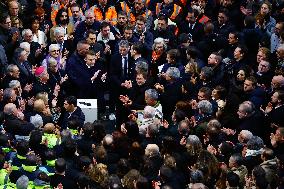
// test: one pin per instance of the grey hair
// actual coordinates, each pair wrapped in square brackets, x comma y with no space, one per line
[65,135]
[149,112]
[215,123]
[22,182]
[58,31]
[11,67]
[246,134]
[199,186]
[247,107]
[152,150]
[193,139]
[53,47]
[25,45]
[207,71]
[18,52]
[205,106]
[153,129]
[108,140]
[89,11]
[237,158]
[123,43]
[141,66]
[152,93]
[160,40]
[9,108]
[7,94]
[279,78]
[25,31]
[14,83]
[173,72]
[36,120]
[255,143]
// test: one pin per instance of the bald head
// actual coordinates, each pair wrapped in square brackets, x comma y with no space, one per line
[49,128]
[277,82]
[39,105]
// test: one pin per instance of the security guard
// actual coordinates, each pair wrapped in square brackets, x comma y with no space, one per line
[49,136]
[105,12]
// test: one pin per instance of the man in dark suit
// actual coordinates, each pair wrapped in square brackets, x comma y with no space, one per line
[136,52]
[21,60]
[66,46]
[36,51]
[74,65]
[275,109]
[191,26]
[14,123]
[92,76]
[121,73]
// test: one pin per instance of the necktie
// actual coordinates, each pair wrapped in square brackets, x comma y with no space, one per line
[125,67]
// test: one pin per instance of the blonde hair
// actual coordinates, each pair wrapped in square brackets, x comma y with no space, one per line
[42,96]
[170,161]
[266,52]
[39,105]
[152,150]
[128,179]
[99,174]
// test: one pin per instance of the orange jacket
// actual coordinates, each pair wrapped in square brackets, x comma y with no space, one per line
[176,11]
[54,11]
[131,17]
[110,15]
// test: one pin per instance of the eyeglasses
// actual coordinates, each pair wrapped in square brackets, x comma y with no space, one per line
[55,51]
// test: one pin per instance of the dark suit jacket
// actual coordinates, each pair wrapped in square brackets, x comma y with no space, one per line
[196,32]
[277,116]
[67,45]
[15,126]
[26,75]
[32,58]
[116,72]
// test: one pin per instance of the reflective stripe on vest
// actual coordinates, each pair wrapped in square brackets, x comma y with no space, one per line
[177,10]
[4,177]
[125,8]
[158,8]
[147,3]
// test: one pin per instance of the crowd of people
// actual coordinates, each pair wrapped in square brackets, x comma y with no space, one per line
[195,90]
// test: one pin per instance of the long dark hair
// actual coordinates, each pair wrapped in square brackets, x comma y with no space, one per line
[59,14]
